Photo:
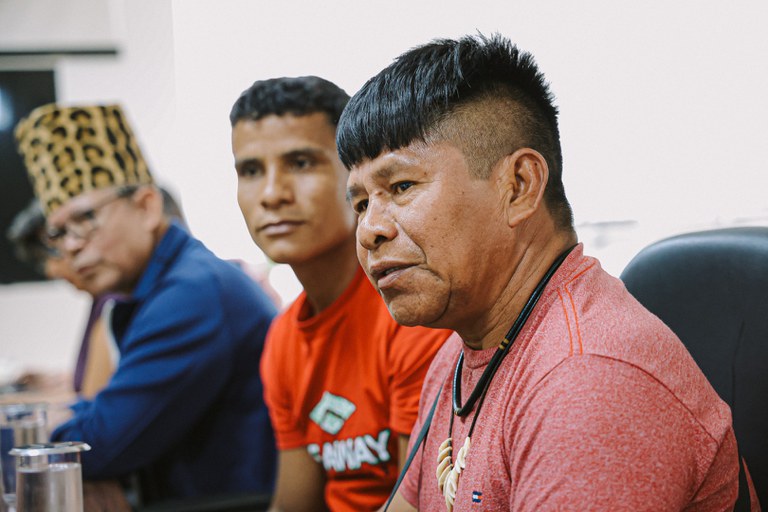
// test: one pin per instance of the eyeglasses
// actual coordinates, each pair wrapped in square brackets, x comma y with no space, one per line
[83,224]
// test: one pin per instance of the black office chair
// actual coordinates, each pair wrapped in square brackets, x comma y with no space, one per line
[711,289]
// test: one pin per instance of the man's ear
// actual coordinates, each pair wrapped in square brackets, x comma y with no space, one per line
[522,177]
[149,201]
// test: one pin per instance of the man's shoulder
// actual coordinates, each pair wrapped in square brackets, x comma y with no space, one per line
[187,283]
[195,256]
[444,361]
[284,323]
[194,265]
[449,351]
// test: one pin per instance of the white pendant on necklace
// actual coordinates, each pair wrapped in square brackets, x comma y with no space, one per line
[448,473]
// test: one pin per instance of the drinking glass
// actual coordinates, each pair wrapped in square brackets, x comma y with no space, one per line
[49,477]
[20,424]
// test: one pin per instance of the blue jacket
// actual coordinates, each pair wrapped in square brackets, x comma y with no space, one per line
[185,403]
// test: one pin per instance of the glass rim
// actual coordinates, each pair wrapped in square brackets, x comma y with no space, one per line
[35,449]
[24,406]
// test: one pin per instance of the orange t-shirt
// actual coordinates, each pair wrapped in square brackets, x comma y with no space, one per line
[344,384]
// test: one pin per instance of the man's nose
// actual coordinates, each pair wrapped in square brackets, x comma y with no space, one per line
[70,243]
[376,226]
[278,189]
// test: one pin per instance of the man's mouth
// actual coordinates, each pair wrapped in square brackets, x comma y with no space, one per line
[281,227]
[385,274]
[84,270]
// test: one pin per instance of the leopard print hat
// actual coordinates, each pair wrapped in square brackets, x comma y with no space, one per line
[72,150]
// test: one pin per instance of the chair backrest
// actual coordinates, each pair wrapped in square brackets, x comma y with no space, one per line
[711,289]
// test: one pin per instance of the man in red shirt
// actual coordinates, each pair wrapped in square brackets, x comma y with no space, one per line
[564,393]
[341,378]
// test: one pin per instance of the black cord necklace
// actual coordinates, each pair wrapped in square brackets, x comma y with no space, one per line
[501,351]
[448,473]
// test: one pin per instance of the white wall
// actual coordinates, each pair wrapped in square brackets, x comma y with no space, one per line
[664,116]
[52,25]
[41,325]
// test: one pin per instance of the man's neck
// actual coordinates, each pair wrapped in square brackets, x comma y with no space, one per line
[157,235]
[326,277]
[530,267]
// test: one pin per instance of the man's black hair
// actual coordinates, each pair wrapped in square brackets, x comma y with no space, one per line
[298,96]
[26,236]
[429,86]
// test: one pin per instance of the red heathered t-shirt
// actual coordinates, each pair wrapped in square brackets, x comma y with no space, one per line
[597,406]
[345,384]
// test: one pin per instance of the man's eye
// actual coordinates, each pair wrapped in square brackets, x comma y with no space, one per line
[86,216]
[402,186]
[302,162]
[249,170]
[55,234]
[360,206]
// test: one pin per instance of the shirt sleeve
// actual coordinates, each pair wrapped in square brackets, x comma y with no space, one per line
[412,351]
[276,396]
[600,434]
[175,358]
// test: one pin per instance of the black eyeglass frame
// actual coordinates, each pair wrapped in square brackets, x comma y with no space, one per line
[85,221]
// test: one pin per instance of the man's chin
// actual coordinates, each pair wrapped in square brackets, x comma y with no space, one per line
[96,289]
[286,254]
[100,284]
[411,316]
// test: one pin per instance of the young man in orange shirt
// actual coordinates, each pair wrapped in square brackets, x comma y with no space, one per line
[342,380]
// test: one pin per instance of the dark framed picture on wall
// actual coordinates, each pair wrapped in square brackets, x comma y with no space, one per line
[20,92]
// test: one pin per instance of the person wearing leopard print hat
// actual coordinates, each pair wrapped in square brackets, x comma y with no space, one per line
[184,407]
